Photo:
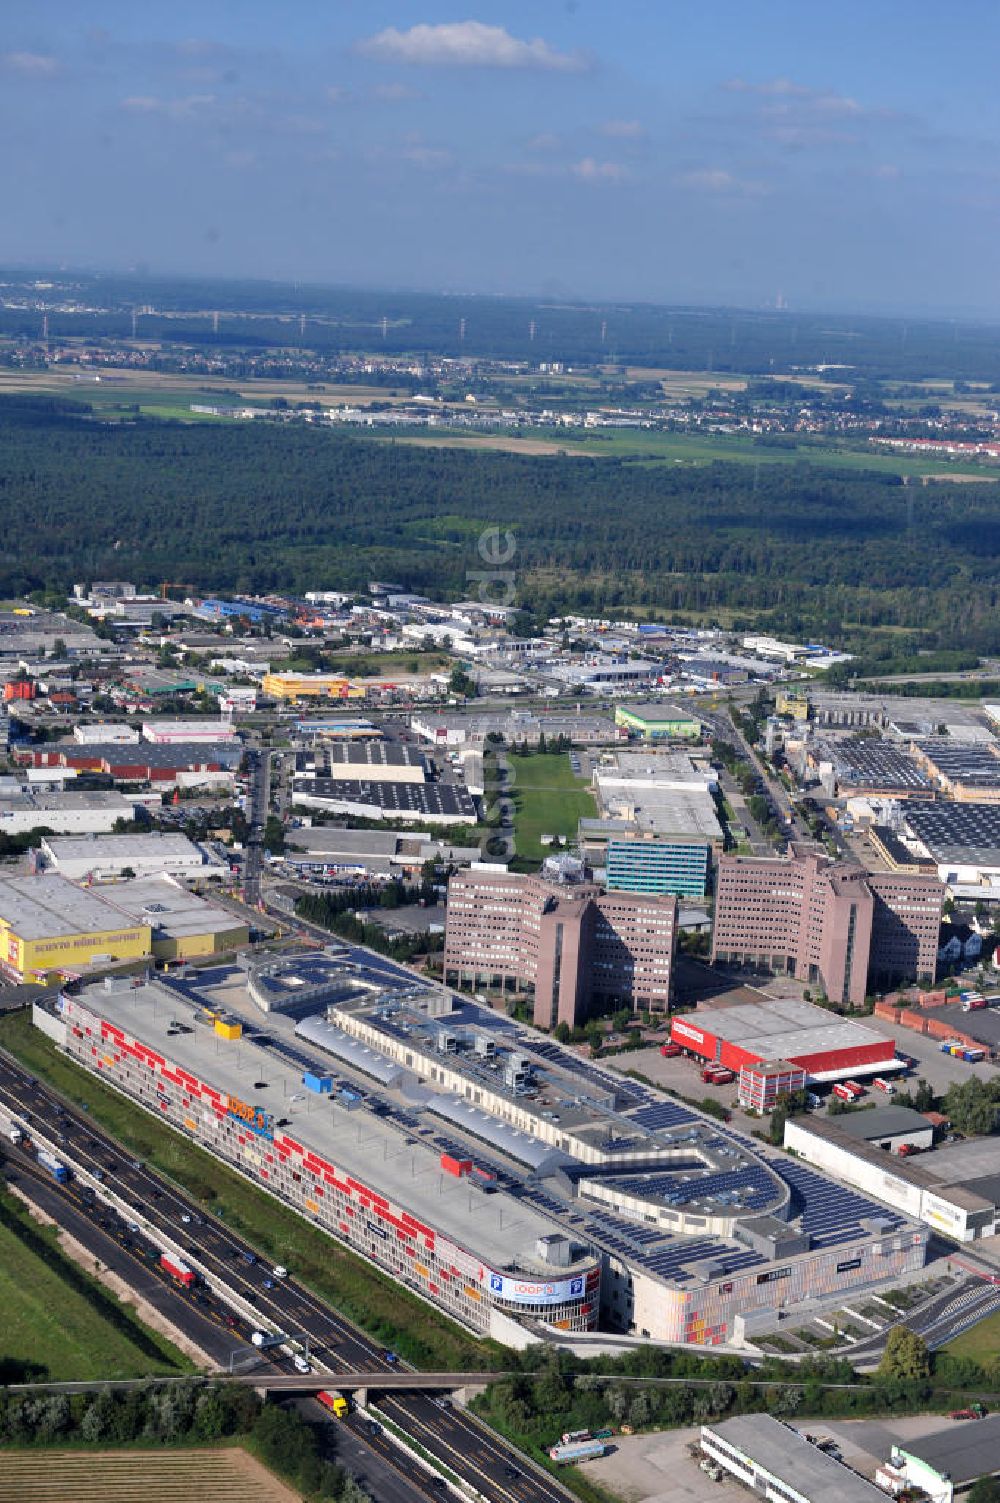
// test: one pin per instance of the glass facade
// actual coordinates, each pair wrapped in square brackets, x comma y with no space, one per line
[658,866]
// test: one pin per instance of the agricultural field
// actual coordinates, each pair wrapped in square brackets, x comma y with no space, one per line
[58,1322]
[549,799]
[699,449]
[221,1475]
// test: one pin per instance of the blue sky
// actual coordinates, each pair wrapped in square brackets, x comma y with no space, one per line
[837,156]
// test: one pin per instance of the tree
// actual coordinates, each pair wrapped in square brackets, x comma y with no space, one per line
[905,1358]
[970,1107]
[985,1490]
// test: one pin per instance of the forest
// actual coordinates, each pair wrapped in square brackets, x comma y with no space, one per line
[260,508]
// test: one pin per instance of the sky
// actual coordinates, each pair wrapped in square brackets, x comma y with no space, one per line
[747,152]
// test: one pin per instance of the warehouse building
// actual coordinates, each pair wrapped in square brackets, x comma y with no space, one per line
[826,922]
[363,762]
[657,720]
[865,765]
[187,732]
[968,772]
[330,850]
[963,1209]
[566,944]
[182,925]
[69,812]
[947,1462]
[776,1462]
[397,803]
[108,858]
[50,928]
[291,687]
[454,730]
[181,764]
[825,1046]
[962,839]
[478,1162]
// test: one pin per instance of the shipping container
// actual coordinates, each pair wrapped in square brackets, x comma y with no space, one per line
[319,1083]
[177,1269]
[458,1167]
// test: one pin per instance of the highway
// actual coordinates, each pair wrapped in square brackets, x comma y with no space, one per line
[161,1212]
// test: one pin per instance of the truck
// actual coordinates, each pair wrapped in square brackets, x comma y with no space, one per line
[884,1085]
[974,1412]
[177,1269]
[904,1150]
[670,1051]
[717,1075]
[262,1340]
[843,1091]
[334,1402]
[55,1166]
[856,1087]
[578,1450]
[15,1133]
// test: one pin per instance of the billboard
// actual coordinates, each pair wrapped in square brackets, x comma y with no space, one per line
[253,1117]
[532,1292]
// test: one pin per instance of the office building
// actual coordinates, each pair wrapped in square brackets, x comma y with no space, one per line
[567,944]
[826,923]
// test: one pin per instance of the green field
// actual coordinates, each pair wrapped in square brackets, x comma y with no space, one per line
[58,1321]
[353,1286]
[549,799]
[981,1342]
[701,449]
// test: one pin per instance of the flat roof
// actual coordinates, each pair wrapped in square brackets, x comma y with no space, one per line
[788,1456]
[367,754]
[171,911]
[369,1147]
[965,1452]
[409,798]
[968,834]
[151,846]
[782,1028]
[882,1122]
[72,798]
[864,762]
[48,905]
[659,709]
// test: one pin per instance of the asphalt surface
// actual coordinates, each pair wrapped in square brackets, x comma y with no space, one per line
[468,1449]
[258,769]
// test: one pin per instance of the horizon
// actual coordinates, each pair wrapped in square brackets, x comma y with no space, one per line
[739,159]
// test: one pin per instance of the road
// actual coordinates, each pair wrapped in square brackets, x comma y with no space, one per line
[258,779]
[474,1453]
[938,1322]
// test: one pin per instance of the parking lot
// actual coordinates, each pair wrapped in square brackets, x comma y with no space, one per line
[939,1070]
[657,1468]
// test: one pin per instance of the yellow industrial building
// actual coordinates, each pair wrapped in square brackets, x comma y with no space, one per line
[50,927]
[294,686]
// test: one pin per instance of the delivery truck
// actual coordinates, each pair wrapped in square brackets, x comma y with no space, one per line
[177,1269]
[54,1166]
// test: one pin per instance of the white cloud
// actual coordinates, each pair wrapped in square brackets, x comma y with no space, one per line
[29,64]
[717,180]
[395,93]
[183,108]
[544,141]
[623,130]
[782,87]
[467,44]
[589,170]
